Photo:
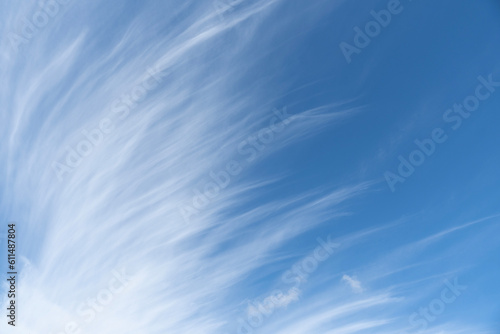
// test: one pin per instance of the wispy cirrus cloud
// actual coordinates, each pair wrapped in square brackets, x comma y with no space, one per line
[150,98]
[117,209]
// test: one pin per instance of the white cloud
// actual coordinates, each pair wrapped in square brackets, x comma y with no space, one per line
[120,207]
[353,283]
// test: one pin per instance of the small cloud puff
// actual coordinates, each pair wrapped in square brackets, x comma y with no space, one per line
[353,283]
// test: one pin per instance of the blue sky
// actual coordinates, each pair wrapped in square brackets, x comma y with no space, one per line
[225,167]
